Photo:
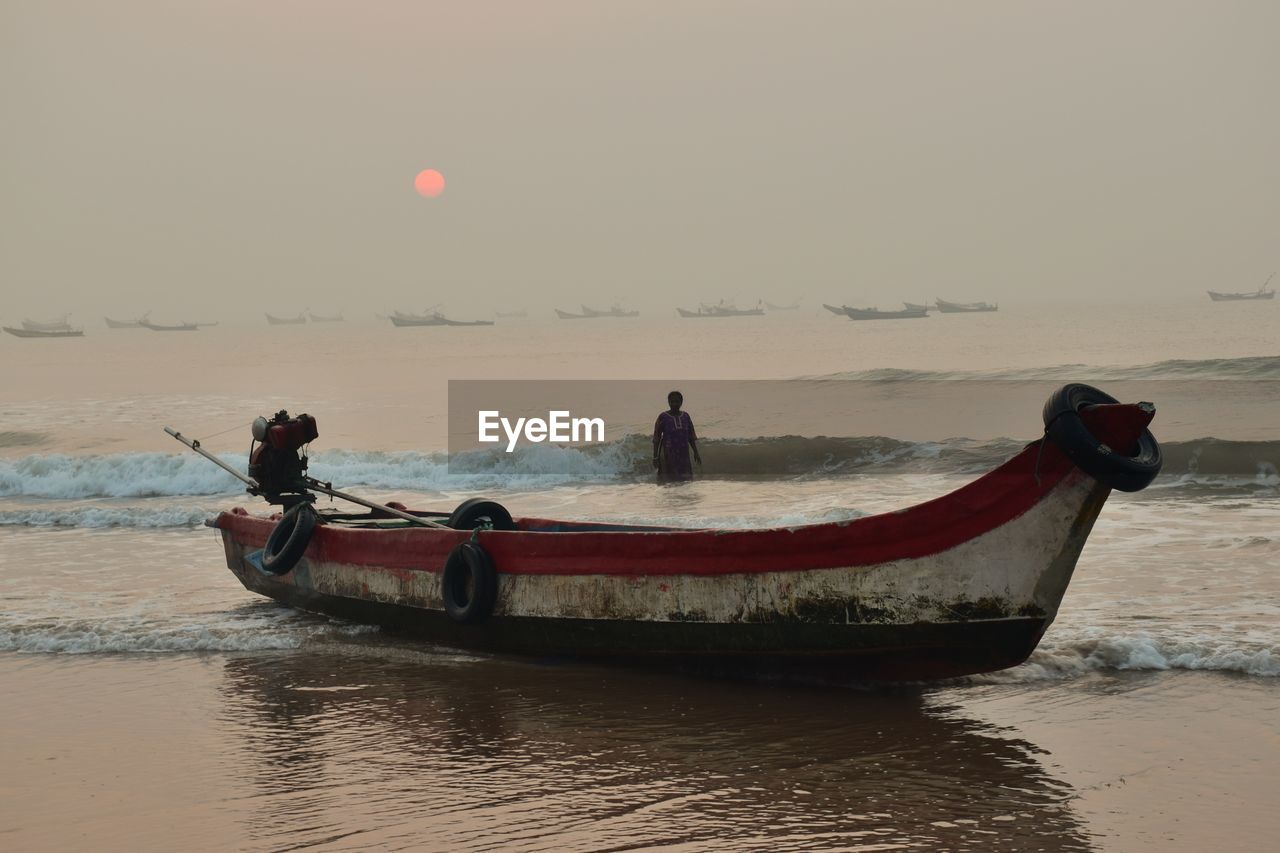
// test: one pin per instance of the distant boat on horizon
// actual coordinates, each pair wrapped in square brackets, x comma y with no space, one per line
[44,333]
[839,312]
[616,310]
[721,309]
[410,318]
[161,327]
[965,307]
[1260,293]
[433,319]
[877,314]
[49,326]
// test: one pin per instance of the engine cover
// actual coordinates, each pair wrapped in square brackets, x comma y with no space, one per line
[277,464]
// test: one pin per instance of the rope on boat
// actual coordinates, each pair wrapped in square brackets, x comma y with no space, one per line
[1039,454]
[229,429]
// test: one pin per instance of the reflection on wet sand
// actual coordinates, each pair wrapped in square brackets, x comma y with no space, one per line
[448,753]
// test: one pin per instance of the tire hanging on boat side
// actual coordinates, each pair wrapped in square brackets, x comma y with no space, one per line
[289,539]
[1063,424]
[469,584]
[474,512]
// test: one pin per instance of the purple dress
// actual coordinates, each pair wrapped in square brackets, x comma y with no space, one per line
[673,434]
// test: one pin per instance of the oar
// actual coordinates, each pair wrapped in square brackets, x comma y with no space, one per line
[332,492]
[194,444]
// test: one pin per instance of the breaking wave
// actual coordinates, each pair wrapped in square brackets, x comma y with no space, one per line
[1255,367]
[1092,650]
[1202,463]
[115,475]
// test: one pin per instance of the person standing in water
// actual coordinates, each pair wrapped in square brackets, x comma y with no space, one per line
[673,439]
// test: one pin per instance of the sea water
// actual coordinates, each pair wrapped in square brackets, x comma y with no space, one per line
[151,702]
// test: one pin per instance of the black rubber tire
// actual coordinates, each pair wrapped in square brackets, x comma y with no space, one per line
[288,540]
[1063,425]
[469,584]
[471,513]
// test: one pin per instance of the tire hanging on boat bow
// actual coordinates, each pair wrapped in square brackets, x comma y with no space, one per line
[1123,471]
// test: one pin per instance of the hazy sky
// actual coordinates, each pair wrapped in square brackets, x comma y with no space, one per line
[225,157]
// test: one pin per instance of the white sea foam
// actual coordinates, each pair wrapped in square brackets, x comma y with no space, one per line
[532,467]
[125,475]
[116,475]
[107,516]
[285,630]
[1061,657]
[116,634]
[1194,466]
[1266,480]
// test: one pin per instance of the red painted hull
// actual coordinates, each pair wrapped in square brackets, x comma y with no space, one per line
[606,549]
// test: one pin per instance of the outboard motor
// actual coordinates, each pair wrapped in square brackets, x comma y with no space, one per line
[277,460]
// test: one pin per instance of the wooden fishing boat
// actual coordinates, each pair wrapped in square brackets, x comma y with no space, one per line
[176,327]
[60,325]
[965,583]
[721,310]
[567,315]
[1261,293]
[615,311]
[965,307]
[273,320]
[839,312]
[435,319]
[399,318]
[42,333]
[877,314]
[1241,297]
[449,322]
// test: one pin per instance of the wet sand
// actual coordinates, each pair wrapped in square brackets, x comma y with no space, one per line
[354,747]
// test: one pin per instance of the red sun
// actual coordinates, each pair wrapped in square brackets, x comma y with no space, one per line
[429,183]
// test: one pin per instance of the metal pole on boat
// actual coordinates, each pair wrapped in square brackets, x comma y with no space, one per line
[194,444]
[327,489]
